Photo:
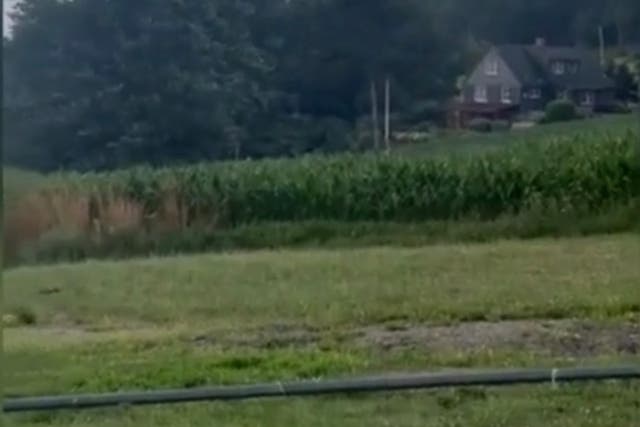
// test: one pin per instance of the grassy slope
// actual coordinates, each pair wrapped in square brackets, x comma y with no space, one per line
[465,142]
[152,313]
[545,278]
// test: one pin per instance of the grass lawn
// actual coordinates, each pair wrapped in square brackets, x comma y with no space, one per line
[247,317]
[580,277]
[467,142]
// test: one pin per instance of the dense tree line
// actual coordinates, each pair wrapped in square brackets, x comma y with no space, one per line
[94,84]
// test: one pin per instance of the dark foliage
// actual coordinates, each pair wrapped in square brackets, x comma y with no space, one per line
[103,84]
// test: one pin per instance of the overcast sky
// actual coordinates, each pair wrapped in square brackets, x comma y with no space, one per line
[7,4]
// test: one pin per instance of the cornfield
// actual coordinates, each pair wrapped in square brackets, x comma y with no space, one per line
[573,174]
[556,174]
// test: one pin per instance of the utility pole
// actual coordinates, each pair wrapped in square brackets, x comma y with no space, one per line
[387,114]
[374,115]
[601,40]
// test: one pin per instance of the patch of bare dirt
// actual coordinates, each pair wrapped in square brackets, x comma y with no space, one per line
[572,338]
[552,338]
[273,336]
[568,338]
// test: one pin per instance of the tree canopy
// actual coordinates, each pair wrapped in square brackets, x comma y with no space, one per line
[100,84]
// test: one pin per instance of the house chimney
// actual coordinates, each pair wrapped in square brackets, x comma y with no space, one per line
[540,41]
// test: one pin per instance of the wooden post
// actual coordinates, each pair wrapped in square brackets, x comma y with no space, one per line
[233,134]
[236,149]
[601,40]
[387,113]
[374,115]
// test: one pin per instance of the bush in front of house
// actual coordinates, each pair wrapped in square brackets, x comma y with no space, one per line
[561,110]
[617,108]
[422,127]
[500,125]
[480,125]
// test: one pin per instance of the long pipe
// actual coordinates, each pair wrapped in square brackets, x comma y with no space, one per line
[308,388]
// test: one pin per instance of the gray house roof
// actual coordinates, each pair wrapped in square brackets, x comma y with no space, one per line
[522,64]
[531,65]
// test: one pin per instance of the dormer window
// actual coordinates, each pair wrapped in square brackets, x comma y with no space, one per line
[491,67]
[558,68]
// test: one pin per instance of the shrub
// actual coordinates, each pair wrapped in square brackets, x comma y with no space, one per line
[560,110]
[500,125]
[536,116]
[21,316]
[480,125]
[617,108]
[428,110]
[422,127]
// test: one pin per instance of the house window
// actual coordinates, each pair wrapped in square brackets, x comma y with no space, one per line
[588,98]
[506,95]
[480,94]
[491,67]
[557,67]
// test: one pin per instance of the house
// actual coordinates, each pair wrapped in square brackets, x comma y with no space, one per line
[513,80]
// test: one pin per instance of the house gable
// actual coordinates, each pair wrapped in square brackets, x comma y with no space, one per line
[503,75]
[490,79]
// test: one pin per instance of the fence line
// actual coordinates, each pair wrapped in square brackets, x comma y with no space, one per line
[312,388]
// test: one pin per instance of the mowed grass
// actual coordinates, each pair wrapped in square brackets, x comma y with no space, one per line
[468,142]
[199,320]
[135,365]
[595,277]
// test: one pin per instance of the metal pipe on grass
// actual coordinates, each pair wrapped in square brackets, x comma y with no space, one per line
[312,388]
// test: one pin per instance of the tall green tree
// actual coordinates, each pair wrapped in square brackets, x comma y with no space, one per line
[329,51]
[561,22]
[115,82]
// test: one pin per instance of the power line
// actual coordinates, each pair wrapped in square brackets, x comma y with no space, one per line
[312,388]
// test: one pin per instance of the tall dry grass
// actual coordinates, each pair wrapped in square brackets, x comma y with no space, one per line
[91,218]
[32,216]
